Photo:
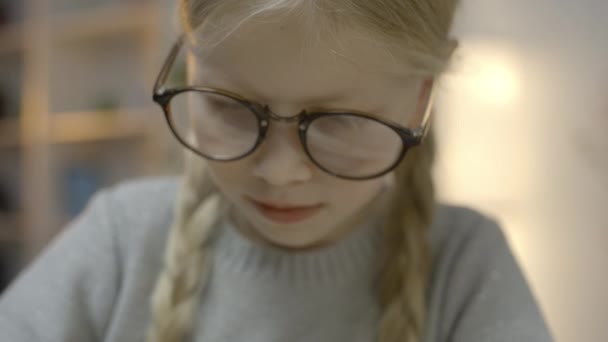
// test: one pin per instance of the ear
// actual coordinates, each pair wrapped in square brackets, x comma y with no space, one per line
[424,98]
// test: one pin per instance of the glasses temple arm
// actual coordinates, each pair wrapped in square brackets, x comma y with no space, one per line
[427,118]
[164,72]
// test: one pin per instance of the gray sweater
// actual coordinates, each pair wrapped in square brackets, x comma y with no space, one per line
[93,282]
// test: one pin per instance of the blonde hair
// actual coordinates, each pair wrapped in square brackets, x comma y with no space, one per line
[415,30]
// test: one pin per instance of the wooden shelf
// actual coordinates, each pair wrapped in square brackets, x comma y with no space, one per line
[58,40]
[77,127]
[101,21]
[11,39]
[83,25]
[9,133]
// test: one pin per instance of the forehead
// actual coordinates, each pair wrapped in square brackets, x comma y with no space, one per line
[276,60]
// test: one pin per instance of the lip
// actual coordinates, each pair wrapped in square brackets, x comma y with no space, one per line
[282,213]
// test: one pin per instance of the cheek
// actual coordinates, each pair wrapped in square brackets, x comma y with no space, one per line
[228,176]
[349,196]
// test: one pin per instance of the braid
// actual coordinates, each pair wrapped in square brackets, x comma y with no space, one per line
[406,264]
[187,254]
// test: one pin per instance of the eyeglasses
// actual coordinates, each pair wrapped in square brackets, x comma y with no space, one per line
[223,126]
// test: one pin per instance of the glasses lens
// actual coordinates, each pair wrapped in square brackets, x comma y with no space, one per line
[217,126]
[353,146]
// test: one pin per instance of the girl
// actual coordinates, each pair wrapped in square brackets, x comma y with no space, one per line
[306,212]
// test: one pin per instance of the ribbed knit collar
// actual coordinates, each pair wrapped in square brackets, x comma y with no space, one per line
[352,257]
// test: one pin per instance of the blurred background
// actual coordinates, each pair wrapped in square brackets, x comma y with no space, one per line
[76,111]
[522,124]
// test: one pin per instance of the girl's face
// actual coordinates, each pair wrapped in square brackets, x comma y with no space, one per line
[274,63]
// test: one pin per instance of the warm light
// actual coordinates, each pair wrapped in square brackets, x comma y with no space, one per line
[485,155]
[496,83]
[489,75]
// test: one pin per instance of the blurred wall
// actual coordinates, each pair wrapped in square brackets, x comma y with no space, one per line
[523,129]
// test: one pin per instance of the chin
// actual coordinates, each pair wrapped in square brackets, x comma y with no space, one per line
[290,236]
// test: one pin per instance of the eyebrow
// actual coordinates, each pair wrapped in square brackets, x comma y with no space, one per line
[319,100]
[332,101]
[245,89]
[323,99]
[235,84]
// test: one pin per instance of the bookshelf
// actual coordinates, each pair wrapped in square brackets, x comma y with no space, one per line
[79,116]
[77,127]
[94,22]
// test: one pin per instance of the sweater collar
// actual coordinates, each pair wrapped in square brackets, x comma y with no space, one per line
[353,256]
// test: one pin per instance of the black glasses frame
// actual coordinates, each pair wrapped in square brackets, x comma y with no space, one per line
[162,96]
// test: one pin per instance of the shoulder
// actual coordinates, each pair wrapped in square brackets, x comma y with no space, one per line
[143,193]
[467,247]
[74,286]
[141,198]
[140,211]
[461,229]
[478,291]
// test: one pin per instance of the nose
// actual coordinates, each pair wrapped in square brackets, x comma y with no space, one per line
[281,159]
